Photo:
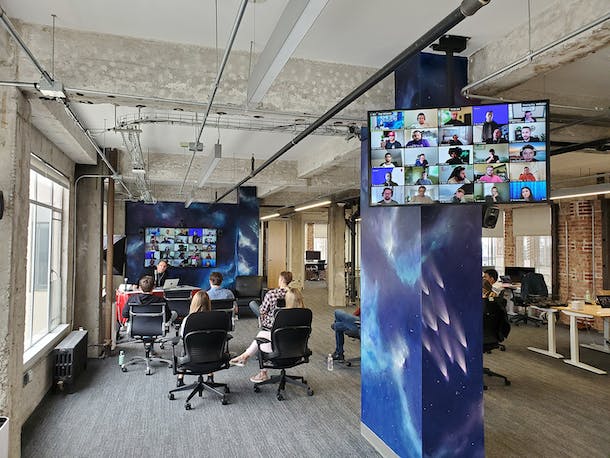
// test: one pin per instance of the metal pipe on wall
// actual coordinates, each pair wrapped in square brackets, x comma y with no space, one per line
[466,8]
[107,315]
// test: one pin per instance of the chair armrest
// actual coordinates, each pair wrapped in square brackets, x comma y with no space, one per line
[175,340]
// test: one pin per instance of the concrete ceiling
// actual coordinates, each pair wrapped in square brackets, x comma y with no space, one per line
[339,36]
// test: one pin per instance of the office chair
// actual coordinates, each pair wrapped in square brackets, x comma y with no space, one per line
[496,328]
[533,292]
[206,350]
[249,288]
[181,306]
[227,306]
[289,336]
[147,324]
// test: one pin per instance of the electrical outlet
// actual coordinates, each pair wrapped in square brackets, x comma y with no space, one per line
[27,377]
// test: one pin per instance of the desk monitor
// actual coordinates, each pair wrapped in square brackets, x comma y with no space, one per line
[311,255]
[517,273]
[604,301]
[171,283]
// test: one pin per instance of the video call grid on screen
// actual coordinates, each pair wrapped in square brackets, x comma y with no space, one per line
[180,247]
[495,153]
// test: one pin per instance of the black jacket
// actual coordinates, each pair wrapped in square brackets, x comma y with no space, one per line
[149,303]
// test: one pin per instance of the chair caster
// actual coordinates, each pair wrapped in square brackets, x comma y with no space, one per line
[224,401]
[484,387]
[309,392]
[227,390]
[348,364]
[187,406]
[123,368]
[148,371]
[170,366]
[256,389]
[171,396]
[280,397]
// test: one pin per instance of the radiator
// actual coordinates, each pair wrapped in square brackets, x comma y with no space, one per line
[70,358]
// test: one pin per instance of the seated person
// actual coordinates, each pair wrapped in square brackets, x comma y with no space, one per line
[266,311]
[387,161]
[344,322]
[421,161]
[146,297]
[216,291]
[423,179]
[200,302]
[495,287]
[388,180]
[421,197]
[455,140]
[159,273]
[526,135]
[454,121]
[391,142]
[527,175]
[387,195]
[294,299]
[418,140]
[455,154]
[494,197]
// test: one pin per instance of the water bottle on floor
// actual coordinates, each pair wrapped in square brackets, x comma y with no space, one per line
[330,362]
[121,358]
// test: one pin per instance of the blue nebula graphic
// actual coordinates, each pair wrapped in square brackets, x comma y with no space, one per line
[237,247]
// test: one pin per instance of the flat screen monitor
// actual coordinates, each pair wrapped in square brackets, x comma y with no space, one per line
[311,255]
[180,247]
[453,155]
[517,273]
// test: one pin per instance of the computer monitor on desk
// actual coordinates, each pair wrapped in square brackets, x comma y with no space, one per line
[517,273]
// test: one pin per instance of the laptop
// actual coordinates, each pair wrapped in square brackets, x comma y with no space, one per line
[171,283]
[505,279]
[604,301]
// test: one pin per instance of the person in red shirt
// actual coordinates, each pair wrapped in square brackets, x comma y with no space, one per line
[527,175]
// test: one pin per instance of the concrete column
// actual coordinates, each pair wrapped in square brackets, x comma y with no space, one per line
[336,256]
[296,253]
[87,298]
[14,183]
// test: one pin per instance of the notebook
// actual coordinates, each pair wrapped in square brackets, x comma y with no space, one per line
[604,301]
[170,283]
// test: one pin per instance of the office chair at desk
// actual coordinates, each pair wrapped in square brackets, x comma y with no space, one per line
[289,338]
[206,350]
[147,324]
[496,328]
[533,292]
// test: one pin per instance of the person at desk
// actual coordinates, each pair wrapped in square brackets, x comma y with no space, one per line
[266,310]
[200,302]
[159,273]
[146,297]
[294,299]
[344,322]
[495,287]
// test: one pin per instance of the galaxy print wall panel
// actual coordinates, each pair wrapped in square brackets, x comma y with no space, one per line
[237,244]
[421,329]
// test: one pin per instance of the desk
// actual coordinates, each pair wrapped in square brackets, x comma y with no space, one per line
[588,311]
[550,320]
[121,298]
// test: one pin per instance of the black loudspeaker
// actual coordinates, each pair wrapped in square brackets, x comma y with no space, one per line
[490,216]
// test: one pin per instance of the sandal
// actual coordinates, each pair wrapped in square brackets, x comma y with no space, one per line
[260,377]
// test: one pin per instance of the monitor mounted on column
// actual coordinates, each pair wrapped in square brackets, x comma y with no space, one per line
[496,153]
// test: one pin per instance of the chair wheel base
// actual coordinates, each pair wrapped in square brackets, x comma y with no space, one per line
[280,397]
[171,396]
[256,389]
[187,406]
[309,392]
[123,368]
[507,382]
[224,401]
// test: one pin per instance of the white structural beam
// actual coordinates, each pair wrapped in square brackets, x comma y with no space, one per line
[297,18]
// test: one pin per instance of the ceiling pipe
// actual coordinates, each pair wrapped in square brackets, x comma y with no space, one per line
[527,58]
[225,58]
[466,8]
[17,84]
[9,26]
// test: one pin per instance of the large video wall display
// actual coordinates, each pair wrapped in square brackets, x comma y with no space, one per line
[180,247]
[485,153]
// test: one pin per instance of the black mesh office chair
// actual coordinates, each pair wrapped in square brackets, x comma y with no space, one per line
[181,306]
[533,292]
[496,328]
[227,306]
[249,288]
[147,324]
[289,338]
[206,350]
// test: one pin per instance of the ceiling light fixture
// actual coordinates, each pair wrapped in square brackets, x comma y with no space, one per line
[316,205]
[582,191]
[212,165]
[271,216]
[295,21]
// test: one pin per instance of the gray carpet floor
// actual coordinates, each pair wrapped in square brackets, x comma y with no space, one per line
[550,410]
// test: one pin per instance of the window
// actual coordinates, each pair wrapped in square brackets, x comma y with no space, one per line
[535,251]
[492,252]
[46,254]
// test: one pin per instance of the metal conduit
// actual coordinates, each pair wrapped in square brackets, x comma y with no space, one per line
[533,54]
[466,8]
[225,58]
[9,26]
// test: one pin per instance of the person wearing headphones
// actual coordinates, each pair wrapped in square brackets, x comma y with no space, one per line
[528,153]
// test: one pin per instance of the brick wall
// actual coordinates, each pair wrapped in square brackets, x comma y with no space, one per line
[509,238]
[309,236]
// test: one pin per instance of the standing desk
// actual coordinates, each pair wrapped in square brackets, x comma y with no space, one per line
[588,311]
[550,321]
